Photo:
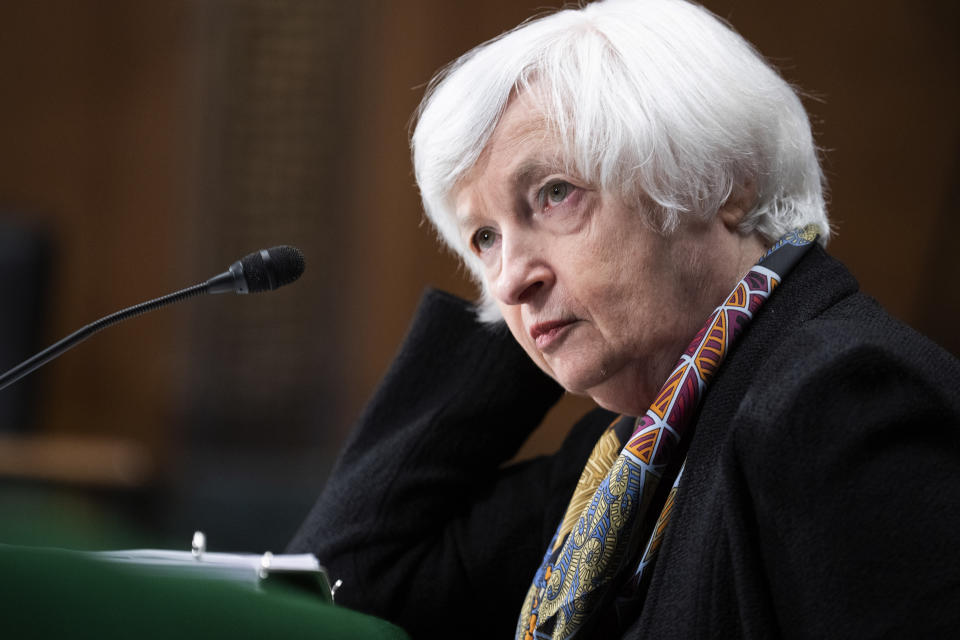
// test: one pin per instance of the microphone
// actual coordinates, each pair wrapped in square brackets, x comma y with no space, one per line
[263,270]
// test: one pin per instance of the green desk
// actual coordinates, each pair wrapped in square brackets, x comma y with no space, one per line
[49,593]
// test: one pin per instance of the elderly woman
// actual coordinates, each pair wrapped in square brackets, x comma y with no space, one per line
[638,196]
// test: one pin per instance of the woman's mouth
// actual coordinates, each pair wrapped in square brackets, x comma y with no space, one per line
[546,334]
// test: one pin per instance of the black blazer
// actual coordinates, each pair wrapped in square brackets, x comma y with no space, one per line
[821,496]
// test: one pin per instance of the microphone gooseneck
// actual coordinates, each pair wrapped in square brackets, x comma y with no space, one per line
[263,270]
[28,366]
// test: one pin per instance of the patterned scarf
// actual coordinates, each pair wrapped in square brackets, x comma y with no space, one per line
[593,559]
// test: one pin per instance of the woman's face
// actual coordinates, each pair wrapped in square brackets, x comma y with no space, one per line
[600,301]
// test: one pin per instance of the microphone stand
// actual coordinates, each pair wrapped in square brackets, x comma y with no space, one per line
[75,338]
[263,270]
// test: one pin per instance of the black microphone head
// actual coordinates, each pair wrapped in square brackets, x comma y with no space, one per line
[268,269]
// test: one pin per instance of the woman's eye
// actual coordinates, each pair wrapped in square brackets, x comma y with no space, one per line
[484,239]
[555,193]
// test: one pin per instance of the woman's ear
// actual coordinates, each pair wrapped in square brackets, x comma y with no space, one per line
[742,200]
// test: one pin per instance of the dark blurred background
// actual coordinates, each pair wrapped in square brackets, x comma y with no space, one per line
[147,145]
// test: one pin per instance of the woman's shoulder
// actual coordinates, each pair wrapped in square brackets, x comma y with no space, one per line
[847,371]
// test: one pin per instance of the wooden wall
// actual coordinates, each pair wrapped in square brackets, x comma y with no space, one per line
[93,124]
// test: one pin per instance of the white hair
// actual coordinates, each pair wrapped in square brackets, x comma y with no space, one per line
[657,101]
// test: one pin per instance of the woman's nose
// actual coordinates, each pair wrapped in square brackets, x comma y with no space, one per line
[524,270]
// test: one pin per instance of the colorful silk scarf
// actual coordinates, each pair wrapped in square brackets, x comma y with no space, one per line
[594,558]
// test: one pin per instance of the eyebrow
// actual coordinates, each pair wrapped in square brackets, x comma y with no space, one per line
[467,222]
[530,171]
[527,173]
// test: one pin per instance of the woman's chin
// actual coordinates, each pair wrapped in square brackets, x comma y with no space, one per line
[612,391]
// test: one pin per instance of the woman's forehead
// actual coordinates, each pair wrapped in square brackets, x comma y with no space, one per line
[524,144]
